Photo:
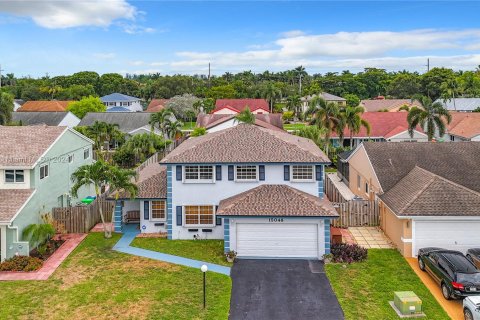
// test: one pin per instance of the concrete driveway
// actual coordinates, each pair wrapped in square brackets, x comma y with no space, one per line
[282,289]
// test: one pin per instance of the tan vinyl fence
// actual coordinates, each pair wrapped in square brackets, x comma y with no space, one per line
[80,219]
[356,213]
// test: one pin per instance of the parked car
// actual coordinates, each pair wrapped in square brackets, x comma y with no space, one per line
[456,275]
[471,308]
[474,256]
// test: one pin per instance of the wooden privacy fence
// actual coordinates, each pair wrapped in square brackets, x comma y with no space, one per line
[80,219]
[356,213]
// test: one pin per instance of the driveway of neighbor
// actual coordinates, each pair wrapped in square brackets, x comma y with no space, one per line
[282,289]
[453,308]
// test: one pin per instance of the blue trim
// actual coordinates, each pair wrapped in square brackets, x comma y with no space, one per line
[169,202]
[117,217]
[226,235]
[326,223]
[320,189]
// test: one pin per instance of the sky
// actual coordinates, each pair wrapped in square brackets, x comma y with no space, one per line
[61,37]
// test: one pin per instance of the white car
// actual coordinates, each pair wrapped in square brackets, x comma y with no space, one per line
[471,308]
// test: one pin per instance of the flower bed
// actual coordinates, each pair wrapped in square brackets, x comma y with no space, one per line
[347,253]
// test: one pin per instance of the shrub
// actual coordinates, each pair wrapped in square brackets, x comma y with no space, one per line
[348,253]
[21,263]
[288,116]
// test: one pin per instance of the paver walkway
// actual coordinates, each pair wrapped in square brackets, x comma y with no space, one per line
[72,240]
[130,232]
[370,237]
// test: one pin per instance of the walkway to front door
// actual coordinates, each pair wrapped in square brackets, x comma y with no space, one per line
[371,238]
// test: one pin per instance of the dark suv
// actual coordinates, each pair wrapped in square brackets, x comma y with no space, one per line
[457,276]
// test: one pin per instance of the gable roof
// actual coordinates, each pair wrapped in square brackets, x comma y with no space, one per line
[11,201]
[246,143]
[22,146]
[156,105]
[461,104]
[266,120]
[240,104]
[423,193]
[53,105]
[151,182]
[455,161]
[383,124]
[276,200]
[388,104]
[464,124]
[115,97]
[49,118]
[127,121]
[326,96]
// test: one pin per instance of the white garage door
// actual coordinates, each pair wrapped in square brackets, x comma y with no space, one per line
[277,240]
[454,235]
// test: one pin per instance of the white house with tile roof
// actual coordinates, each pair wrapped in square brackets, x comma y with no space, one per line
[259,190]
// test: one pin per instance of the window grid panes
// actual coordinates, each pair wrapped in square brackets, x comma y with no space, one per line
[198,172]
[246,172]
[14,176]
[302,172]
[86,153]
[158,210]
[199,215]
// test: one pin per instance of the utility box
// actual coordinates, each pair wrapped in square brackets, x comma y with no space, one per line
[407,302]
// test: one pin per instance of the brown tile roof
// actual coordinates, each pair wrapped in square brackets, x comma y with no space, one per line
[276,200]
[53,105]
[464,124]
[247,144]
[388,104]
[423,193]
[151,183]
[24,145]
[455,161]
[156,105]
[11,200]
[270,121]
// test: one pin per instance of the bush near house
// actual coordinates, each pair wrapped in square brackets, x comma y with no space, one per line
[348,253]
[21,263]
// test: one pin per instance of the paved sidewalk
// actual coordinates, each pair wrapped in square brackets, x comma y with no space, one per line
[130,232]
[370,238]
[71,242]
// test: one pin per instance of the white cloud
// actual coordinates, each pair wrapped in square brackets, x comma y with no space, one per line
[54,14]
[132,28]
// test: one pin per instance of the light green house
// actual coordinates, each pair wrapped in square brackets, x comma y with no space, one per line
[36,163]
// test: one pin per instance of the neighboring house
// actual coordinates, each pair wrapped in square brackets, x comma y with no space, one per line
[36,163]
[51,105]
[17,103]
[465,126]
[461,104]
[342,102]
[118,102]
[429,194]
[56,118]
[128,122]
[390,105]
[385,126]
[234,106]
[259,190]
[217,122]
[157,105]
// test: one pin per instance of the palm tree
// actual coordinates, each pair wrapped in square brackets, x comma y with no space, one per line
[246,116]
[352,117]
[6,108]
[162,120]
[294,103]
[96,174]
[38,234]
[174,129]
[328,116]
[313,133]
[271,93]
[429,116]
[121,179]
[449,91]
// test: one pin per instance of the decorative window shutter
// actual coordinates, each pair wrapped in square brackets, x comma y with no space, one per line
[231,175]
[146,210]
[178,173]
[218,220]
[318,173]
[286,172]
[179,215]
[261,172]
[218,172]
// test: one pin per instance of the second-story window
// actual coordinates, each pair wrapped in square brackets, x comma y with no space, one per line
[86,153]
[198,173]
[246,173]
[302,173]
[44,171]
[14,176]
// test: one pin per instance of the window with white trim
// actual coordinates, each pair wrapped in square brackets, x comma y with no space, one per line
[158,210]
[246,173]
[302,173]
[198,174]
[86,153]
[44,171]
[14,176]
[199,216]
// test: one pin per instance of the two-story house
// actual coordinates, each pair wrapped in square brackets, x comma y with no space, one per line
[118,102]
[259,190]
[36,163]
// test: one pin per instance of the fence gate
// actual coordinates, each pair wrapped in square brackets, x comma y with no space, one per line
[356,213]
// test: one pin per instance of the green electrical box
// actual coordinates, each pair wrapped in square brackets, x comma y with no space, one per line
[407,302]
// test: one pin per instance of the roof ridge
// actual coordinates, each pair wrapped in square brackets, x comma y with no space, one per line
[409,203]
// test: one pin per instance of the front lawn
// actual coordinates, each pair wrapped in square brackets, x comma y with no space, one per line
[294,126]
[364,289]
[204,250]
[95,282]
[189,125]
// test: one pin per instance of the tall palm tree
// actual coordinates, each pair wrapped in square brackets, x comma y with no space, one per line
[450,90]
[96,174]
[294,103]
[352,116]
[121,179]
[271,93]
[328,116]
[245,116]
[161,120]
[174,129]
[430,116]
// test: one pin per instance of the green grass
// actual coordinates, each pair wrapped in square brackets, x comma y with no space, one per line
[364,289]
[294,126]
[188,125]
[205,250]
[98,283]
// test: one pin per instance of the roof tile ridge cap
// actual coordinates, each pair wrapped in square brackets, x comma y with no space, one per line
[436,176]
[240,196]
[420,192]
[275,132]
